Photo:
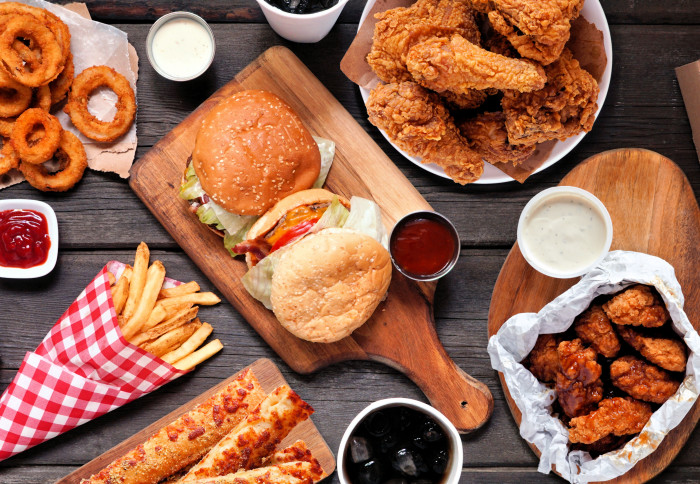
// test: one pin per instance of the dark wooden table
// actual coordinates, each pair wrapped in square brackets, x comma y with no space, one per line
[102,219]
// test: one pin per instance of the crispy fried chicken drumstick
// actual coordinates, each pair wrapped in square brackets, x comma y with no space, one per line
[667,353]
[642,380]
[418,122]
[637,306]
[578,384]
[487,135]
[617,416]
[594,328]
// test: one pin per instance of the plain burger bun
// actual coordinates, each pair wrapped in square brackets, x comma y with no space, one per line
[305,197]
[329,283]
[252,150]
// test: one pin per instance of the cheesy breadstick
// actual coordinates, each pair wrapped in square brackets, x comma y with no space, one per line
[287,473]
[298,451]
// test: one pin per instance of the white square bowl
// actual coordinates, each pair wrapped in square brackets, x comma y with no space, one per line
[46,267]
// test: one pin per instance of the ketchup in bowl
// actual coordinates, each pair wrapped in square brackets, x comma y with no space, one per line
[424,245]
[24,238]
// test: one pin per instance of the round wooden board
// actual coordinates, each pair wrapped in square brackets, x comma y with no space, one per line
[653,210]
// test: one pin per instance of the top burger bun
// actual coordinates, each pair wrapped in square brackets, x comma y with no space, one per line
[329,283]
[252,150]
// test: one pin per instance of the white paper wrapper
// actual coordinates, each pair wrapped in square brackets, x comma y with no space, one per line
[518,335]
[95,44]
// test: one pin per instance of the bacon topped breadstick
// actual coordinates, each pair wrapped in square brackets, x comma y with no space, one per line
[266,426]
[186,439]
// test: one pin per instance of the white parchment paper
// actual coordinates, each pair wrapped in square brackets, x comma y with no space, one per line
[518,335]
[95,44]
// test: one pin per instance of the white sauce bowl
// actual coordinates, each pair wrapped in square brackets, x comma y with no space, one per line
[305,28]
[527,248]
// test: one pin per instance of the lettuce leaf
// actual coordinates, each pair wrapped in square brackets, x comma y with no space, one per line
[366,217]
[327,149]
[334,216]
[258,280]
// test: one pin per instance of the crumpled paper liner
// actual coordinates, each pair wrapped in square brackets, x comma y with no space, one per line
[93,44]
[689,82]
[586,43]
[516,338]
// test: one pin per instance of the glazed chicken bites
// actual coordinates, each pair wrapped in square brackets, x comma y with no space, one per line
[642,380]
[637,306]
[617,416]
[594,328]
[667,353]
[578,384]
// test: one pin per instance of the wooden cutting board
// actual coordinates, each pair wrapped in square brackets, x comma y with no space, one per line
[401,333]
[653,210]
[268,376]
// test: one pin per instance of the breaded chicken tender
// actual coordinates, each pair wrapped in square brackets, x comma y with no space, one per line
[617,416]
[642,380]
[543,360]
[578,384]
[637,306]
[594,328]
[667,353]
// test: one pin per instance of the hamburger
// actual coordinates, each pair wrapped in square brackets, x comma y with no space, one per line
[319,262]
[251,151]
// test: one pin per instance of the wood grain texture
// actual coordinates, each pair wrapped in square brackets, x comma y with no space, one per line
[269,378]
[402,326]
[653,211]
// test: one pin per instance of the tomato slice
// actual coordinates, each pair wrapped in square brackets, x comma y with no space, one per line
[294,232]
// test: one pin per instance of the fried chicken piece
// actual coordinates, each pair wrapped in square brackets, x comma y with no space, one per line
[637,305]
[642,380]
[667,353]
[399,28]
[578,383]
[594,328]
[418,122]
[537,29]
[457,65]
[469,100]
[617,416]
[564,107]
[543,360]
[487,135]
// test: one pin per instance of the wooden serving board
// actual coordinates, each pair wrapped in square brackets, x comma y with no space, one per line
[401,333]
[269,377]
[653,210]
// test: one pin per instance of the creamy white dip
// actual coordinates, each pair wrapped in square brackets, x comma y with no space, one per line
[182,47]
[564,232]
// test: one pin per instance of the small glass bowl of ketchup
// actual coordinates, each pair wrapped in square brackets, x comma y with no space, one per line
[424,245]
[28,239]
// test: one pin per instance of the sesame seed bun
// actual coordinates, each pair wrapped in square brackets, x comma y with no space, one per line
[305,197]
[252,150]
[329,283]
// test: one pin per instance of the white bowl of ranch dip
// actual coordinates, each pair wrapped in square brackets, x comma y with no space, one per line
[564,232]
[180,46]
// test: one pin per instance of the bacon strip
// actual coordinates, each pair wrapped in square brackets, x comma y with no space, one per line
[259,247]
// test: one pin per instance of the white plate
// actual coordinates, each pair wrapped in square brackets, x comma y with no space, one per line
[51,222]
[593,12]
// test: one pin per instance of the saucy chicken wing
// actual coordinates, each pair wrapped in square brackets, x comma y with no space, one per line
[642,380]
[487,135]
[667,353]
[594,328]
[637,306]
[617,416]
[578,383]
[543,360]
[418,122]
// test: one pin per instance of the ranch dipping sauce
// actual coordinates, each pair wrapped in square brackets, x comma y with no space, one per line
[565,231]
[180,46]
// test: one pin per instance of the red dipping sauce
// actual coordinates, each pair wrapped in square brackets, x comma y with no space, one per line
[423,247]
[24,238]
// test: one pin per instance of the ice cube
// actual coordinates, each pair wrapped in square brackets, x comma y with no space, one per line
[404,462]
[360,450]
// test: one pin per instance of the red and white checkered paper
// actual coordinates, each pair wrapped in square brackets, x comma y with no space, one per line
[83,369]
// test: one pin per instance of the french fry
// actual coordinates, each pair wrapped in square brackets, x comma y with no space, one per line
[111,278]
[154,281]
[138,280]
[160,314]
[180,318]
[181,290]
[120,318]
[197,338]
[203,298]
[203,353]
[127,273]
[172,339]
[120,291]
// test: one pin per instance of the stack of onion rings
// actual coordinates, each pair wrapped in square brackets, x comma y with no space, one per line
[71,154]
[87,82]
[44,148]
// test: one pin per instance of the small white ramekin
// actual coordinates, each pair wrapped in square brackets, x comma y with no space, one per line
[305,28]
[454,467]
[51,222]
[158,24]
[535,202]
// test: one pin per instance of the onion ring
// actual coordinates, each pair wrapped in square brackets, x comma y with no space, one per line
[8,157]
[14,97]
[44,148]
[77,106]
[61,85]
[51,52]
[48,19]
[42,98]
[73,161]
[6,125]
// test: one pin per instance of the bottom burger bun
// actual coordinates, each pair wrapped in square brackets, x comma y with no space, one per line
[329,283]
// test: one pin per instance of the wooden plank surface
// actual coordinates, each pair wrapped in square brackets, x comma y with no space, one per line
[656,202]
[268,376]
